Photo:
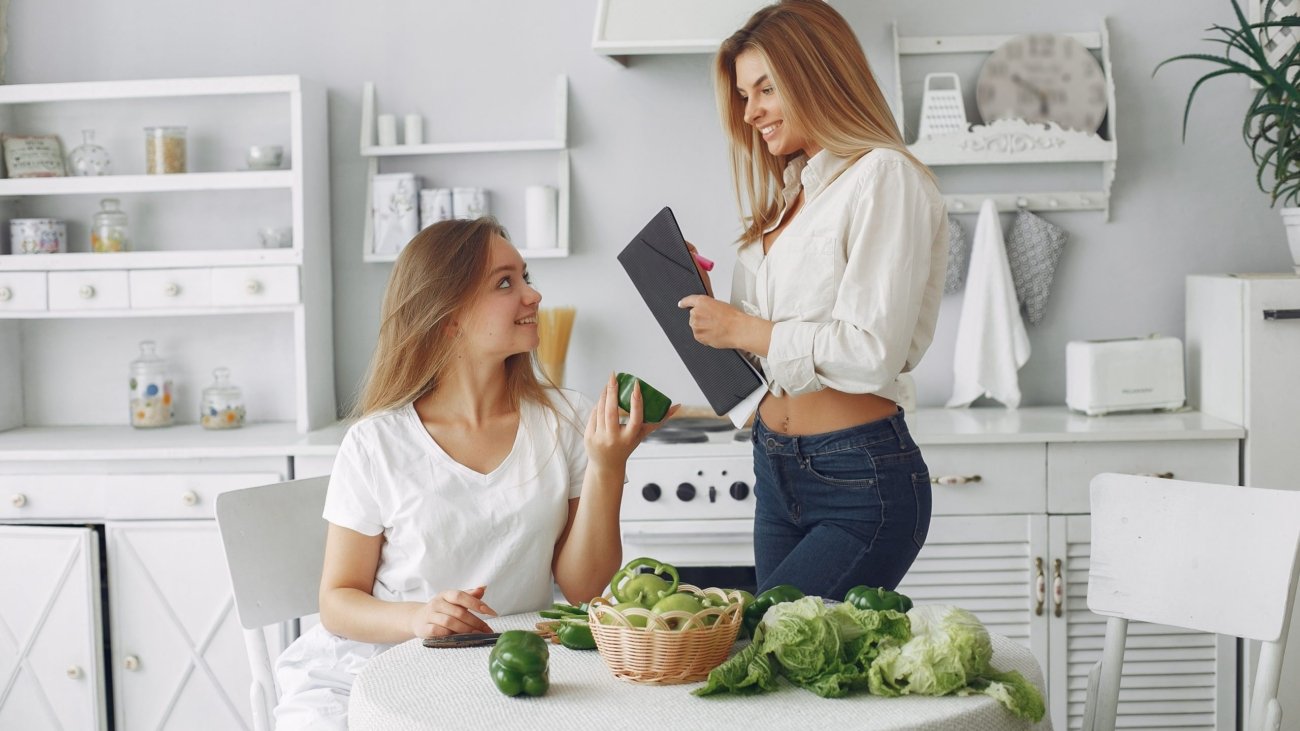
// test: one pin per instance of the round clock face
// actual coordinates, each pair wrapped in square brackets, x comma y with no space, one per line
[1043,77]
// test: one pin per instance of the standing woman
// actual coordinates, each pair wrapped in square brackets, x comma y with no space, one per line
[835,294]
[466,483]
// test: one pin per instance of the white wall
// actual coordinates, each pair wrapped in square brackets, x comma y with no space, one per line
[647,136]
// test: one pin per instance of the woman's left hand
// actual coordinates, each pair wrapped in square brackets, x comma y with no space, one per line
[610,443]
[714,322]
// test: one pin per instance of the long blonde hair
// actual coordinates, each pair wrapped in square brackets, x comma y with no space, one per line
[438,275]
[826,87]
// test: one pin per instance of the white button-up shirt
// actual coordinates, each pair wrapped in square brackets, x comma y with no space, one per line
[853,283]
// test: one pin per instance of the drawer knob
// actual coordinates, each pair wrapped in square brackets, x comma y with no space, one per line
[190,498]
[955,479]
[86,292]
[19,500]
[131,662]
[74,672]
[6,294]
[253,286]
[172,289]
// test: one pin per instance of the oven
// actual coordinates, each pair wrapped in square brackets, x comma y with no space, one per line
[689,501]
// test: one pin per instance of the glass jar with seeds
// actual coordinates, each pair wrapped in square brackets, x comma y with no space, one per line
[164,150]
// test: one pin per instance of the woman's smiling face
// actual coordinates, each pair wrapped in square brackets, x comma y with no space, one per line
[763,108]
[502,321]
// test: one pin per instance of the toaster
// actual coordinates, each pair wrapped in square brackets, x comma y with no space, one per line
[1126,374]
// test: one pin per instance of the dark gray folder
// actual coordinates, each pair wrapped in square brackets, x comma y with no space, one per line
[661,268]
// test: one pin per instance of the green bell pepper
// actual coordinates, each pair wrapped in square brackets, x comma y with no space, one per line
[654,405]
[630,586]
[757,608]
[575,634]
[877,598]
[518,663]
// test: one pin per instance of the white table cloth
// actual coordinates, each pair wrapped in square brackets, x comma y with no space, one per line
[414,687]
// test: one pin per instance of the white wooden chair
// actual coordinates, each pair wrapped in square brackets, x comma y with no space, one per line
[1212,558]
[275,548]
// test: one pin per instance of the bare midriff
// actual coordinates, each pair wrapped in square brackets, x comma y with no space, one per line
[822,411]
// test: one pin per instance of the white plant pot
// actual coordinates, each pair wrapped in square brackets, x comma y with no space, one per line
[1291,218]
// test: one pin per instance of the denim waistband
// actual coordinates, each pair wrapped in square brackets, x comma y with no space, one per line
[879,432]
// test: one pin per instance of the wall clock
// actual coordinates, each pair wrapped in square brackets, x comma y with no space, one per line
[1043,77]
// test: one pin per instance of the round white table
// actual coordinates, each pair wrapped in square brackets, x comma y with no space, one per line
[414,687]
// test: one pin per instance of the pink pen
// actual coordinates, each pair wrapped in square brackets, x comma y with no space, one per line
[705,264]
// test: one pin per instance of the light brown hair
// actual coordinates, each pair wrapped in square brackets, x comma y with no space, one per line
[438,275]
[826,87]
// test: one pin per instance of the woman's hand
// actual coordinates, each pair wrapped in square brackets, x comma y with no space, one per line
[450,613]
[610,443]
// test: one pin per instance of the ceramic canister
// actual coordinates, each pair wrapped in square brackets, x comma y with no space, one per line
[38,236]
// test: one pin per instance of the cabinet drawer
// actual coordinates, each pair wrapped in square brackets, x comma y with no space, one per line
[251,286]
[175,495]
[987,479]
[50,497]
[171,288]
[1071,467]
[88,291]
[22,291]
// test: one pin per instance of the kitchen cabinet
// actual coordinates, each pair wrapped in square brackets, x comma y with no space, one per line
[625,28]
[1022,565]
[51,647]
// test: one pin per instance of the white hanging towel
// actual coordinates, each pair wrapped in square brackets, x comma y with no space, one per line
[991,340]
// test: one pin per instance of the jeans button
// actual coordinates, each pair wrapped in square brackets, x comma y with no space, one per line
[771,443]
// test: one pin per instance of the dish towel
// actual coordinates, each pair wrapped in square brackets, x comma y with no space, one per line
[1033,249]
[958,257]
[992,343]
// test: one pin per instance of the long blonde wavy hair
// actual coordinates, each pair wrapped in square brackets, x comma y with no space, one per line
[438,275]
[826,87]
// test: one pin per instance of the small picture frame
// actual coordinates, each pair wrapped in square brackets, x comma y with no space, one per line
[33,156]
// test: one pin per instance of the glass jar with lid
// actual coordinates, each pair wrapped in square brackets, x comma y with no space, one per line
[164,150]
[108,230]
[222,405]
[151,389]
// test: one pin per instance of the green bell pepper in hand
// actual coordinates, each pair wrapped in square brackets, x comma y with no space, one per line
[575,634]
[631,587]
[654,405]
[518,663]
[877,598]
[757,608]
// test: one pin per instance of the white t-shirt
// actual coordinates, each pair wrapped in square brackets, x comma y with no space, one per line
[446,526]
[854,282]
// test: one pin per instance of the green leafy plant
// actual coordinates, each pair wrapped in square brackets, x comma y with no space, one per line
[1272,124]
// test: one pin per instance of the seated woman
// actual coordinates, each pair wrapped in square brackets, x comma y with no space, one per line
[466,483]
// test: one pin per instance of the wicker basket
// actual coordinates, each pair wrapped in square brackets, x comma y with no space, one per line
[658,653]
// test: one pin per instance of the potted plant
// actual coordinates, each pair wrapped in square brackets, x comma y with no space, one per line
[1272,124]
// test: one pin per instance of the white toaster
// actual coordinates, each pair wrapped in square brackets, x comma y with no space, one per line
[1128,374]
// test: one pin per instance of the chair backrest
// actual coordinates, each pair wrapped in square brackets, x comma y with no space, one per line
[274,538]
[1159,545]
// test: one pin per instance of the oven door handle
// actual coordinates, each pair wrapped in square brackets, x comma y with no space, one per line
[646,537]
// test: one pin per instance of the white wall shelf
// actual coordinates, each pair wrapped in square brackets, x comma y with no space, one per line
[626,28]
[1014,141]
[147,260]
[559,144]
[108,184]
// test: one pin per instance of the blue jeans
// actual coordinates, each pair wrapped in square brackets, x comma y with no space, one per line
[839,509]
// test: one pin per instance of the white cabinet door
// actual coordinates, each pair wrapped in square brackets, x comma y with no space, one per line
[50,644]
[178,650]
[988,564]
[1173,678]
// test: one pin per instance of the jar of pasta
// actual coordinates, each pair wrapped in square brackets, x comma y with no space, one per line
[164,150]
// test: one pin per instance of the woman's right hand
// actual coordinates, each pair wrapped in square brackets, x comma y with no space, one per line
[704,275]
[451,613]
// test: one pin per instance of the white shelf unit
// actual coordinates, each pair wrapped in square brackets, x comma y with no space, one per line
[626,28]
[1013,141]
[559,145]
[196,280]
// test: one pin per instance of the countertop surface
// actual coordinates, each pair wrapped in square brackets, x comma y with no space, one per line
[929,427]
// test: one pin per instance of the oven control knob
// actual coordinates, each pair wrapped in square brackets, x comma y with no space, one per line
[686,492]
[739,490]
[650,492]
[713,494]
